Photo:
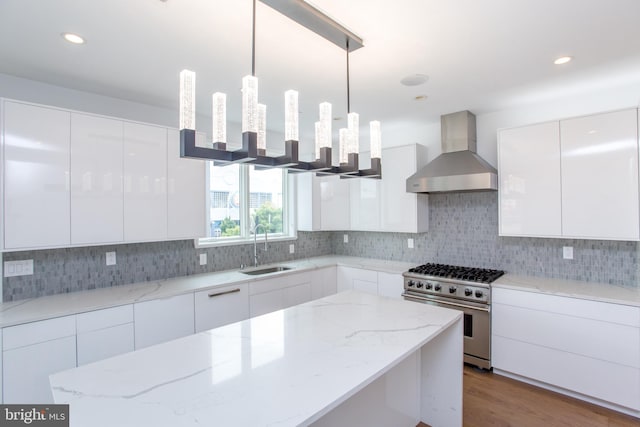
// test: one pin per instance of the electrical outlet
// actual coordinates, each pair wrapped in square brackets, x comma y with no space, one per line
[203,259]
[18,268]
[345,238]
[111,258]
[292,248]
[567,252]
[410,243]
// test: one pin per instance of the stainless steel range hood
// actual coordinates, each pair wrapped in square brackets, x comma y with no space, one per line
[458,168]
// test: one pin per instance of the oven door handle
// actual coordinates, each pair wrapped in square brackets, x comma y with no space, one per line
[454,304]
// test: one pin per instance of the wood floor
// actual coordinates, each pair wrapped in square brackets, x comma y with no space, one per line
[494,400]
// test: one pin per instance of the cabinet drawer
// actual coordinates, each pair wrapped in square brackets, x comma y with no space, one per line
[106,342]
[596,378]
[100,319]
[38,332]
[606,312]
[280,282]
[592,338]
[221,306]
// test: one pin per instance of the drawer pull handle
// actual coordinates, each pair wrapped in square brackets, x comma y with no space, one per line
[231,291]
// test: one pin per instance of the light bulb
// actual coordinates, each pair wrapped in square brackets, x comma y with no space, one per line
[291,115]
[344,136]
[262,127]
[375,136]
[249,104]
[353,123]
[187,100]
[325,125]
[219,124]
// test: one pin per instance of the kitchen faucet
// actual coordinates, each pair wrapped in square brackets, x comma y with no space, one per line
[255,242]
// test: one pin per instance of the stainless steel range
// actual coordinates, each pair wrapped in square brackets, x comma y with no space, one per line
[462,288]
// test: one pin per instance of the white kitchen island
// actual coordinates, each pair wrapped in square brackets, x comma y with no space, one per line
[351,359]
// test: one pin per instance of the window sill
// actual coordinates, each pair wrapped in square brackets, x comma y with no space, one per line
[208,243]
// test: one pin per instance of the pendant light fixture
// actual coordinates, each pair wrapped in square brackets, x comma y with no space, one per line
[254,114]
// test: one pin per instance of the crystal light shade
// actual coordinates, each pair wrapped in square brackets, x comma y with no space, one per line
[375,136]
[262,127]
[249,104]
[187,100]
[291,115]
[325,125]
[219,124]
[344,136]
[318,137]
[353,124]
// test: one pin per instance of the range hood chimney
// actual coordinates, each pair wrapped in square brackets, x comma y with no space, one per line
[458,168]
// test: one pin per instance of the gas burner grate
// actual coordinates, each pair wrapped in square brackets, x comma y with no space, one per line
[471,274]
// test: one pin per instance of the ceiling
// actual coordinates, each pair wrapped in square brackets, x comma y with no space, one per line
[479,55]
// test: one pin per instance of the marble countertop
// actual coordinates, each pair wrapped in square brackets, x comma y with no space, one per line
[571,288]
[34,309]
[285,368]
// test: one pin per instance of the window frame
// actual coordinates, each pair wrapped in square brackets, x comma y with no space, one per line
[289,225]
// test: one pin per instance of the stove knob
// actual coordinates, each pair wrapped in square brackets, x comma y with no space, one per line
[468,292]
[452,289]
[429,286]
[437,288]
[411,283]
[478,294]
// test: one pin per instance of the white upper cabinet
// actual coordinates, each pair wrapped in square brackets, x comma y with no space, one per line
[145,182]
[529,190]
[186,208]
[36,176]
[600,176]
[365,204]
[574,178]
[334,203]
[96,180]
[401,211]
[308,202]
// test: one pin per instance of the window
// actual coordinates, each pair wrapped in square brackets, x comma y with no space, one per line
[243,197]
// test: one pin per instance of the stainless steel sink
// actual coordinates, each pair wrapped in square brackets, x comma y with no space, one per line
[265,270]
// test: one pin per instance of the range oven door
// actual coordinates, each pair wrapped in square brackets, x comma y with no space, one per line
[477,326]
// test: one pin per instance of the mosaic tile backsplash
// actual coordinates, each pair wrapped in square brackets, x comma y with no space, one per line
[463,230]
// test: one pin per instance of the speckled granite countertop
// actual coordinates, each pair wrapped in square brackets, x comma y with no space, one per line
[34,309]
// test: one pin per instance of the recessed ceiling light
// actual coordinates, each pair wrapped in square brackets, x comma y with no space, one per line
[420,98]
[414,79]
[562,60]
[73,38]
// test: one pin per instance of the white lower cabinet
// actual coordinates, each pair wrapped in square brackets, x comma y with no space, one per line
[104,333]
[1,397]
[163,320]
[357,279]
[33,351]
[587,347]
[221,306]
[323,282]
[390,285]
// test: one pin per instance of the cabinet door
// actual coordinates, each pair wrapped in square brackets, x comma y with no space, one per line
[390,285]
[600,176]
[36,176]
[402,211]
[145,182]
[529,190]
[365,204]
[266,302]
[32,352]
[334,206]
[96,180]
[298,294]
[186,204]
[308,202]
[324,282]
[221,306]
[357,279]
[104,333]
[163,320]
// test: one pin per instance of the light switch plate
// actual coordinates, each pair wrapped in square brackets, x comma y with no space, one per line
[567,252]
[410,243]
[203,259]
[345,238]
[111,258]
[292,248]
[18,268]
